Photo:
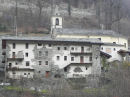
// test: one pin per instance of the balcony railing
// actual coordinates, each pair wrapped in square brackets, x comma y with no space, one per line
[80,52]
[19,56]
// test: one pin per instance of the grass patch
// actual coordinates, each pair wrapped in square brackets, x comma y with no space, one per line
[94,90]
[18,89]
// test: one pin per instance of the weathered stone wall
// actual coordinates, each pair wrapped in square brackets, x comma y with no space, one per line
[96,67]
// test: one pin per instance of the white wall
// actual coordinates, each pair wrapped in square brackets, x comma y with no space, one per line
[85,72]
[53,22]
[21,47]
[114,53]
[61,53]
[19,74]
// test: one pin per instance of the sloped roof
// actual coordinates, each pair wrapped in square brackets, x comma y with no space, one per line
[50,39]
[75,31]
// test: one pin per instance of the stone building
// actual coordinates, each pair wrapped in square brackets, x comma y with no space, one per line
[26,56]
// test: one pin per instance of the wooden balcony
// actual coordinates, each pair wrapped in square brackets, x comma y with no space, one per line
[80,52]
[18,57]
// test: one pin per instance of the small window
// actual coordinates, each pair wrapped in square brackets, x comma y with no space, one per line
[13,72]
[90,58]
[27,63]
[72,48]
[58,48]
[10,65]
[28,73]
[3,53]
[39,71]
[26,54]
[13,54]
[46,53]
[82,49]
[114,42]
[57,21]
[49,45]
[14,46]
[65,58]
[27,46]
[25,74]
[102,48]
[39,44]
[86,68]
[65,48]
[46,62]
[99,38]
[40,62]
[72,58]
[58,57]
[125,44]
[40,53]
[16,63]
[114,49]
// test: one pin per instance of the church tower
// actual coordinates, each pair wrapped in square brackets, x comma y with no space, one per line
[56,21]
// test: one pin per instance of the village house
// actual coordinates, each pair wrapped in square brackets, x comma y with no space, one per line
[25,56]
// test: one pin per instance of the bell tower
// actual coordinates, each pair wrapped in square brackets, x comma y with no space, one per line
[56,21]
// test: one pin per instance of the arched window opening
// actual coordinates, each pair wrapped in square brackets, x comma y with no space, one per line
[57,21]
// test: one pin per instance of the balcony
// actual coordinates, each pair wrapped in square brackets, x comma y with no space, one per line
[19,69]
[80,52]
[82,63]
[18,57]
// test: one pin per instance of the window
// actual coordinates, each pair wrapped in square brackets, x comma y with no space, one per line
[40,53]
[57,21]
[46,62]
[102,48]
[28,73]
[58,57]
[65,58]
[13,54]
[40,62]
[81,59]
[114,42]
[72,48]
[49,45]
[13,72]
[58,48]
[82,49]
[99,38]
[86,68]
[46,53]
[26,54]
[27,63]
[10,65]
[39,44]
[25,74]
[72,58]
[3,44]
[39,71]
[125,44]
[114,49]
[16,63]
[65,48]
[27,46]
[90,58]
[14,45]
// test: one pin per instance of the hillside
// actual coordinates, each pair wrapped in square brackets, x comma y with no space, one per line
[34,15]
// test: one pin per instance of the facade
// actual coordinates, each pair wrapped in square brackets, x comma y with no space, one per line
[29,56]
[113,42]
